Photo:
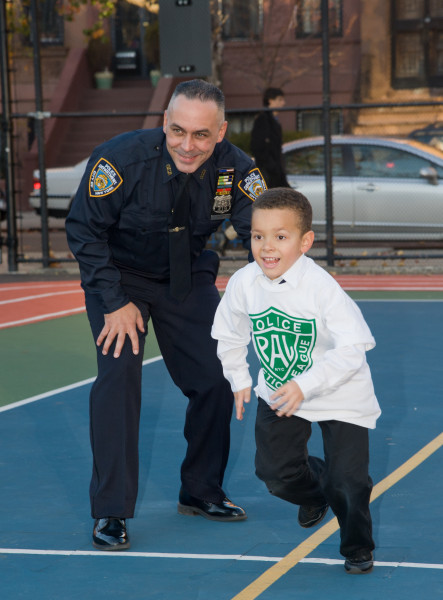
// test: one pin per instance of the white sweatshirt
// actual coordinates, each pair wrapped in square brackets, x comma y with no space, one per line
[306,328]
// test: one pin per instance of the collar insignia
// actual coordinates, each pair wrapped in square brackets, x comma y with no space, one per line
[221,208]
[253,184]
[104,179]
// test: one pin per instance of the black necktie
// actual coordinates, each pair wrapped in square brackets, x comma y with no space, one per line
[179,242]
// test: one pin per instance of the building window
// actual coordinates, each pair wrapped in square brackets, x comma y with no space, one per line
[309,18]
[50,23]
[244,19]
[417,43]
[312,121]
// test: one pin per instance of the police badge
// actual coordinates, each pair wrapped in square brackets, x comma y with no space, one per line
[221,209]
[253,184]
[283,344]
[104,179]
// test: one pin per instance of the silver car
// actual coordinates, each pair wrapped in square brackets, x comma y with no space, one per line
[61,187]
[383,189]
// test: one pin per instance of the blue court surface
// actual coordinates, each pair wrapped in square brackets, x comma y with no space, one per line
[45,462]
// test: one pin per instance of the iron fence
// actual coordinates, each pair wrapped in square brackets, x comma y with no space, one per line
[414,232]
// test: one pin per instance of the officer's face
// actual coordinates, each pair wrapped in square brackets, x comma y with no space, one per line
[192,129]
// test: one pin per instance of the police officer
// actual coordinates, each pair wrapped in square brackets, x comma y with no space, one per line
[147,199]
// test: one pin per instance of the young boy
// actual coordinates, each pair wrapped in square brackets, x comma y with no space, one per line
[311,340]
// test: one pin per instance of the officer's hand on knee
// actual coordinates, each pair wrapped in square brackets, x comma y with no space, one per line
[118,324]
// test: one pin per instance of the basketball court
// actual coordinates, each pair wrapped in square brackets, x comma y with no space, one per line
[48,365]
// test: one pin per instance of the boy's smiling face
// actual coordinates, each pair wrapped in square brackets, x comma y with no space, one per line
[277,241]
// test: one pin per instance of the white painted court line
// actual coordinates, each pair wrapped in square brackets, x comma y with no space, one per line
[66,388]
[62,313]
[37,296]
[177,555]
[4,287]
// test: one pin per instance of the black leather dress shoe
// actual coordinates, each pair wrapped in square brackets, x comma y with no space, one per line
[110,534]
[224,511]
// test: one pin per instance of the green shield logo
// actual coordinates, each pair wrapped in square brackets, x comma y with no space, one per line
[283,344]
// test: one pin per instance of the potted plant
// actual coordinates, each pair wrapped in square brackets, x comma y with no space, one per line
[99,53]
[103,79]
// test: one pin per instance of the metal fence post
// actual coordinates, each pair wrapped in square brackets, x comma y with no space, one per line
[40,132]
[327,134]
[7,142]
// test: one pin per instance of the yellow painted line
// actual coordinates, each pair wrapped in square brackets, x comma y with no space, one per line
[274,573]
[407,467]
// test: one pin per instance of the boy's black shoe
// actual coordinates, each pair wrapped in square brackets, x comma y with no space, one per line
[359,564]
[308,516]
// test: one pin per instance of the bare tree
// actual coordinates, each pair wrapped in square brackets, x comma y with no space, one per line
[218,19]
[265,63]
[269,60]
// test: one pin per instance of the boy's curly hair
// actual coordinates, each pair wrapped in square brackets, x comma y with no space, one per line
[282,197]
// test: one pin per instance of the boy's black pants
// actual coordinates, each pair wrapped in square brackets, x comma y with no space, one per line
[340,480]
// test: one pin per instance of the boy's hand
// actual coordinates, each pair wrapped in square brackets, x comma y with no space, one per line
[240,397]
[287,399]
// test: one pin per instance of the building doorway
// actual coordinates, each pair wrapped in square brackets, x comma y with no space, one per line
[417,36]
[135,40]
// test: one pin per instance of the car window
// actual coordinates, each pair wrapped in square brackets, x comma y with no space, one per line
[310,161]
[382,161]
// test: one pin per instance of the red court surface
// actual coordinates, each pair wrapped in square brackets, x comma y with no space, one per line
[22,303]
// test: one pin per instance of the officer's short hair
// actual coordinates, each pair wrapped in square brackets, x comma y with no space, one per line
[204,91]
[283,197]
[271,94]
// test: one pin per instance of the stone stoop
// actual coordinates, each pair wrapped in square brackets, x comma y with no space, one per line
[85,133]
[395,121]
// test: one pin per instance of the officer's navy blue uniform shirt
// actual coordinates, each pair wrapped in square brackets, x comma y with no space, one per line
[126,228]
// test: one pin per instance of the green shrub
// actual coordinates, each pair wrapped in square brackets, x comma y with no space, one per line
[242,140]
[290,136]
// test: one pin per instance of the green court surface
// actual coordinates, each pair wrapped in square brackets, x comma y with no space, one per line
[43,356]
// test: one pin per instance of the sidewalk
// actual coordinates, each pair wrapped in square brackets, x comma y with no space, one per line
[29,224]
[231,262]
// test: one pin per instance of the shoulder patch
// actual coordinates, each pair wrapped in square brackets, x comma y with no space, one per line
[104,179]
[253,184]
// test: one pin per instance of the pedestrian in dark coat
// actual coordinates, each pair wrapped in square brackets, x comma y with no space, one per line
[266,140]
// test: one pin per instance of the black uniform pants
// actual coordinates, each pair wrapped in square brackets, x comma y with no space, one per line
[183,333]
[341,480]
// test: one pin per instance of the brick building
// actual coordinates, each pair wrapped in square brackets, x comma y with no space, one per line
[380,51]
